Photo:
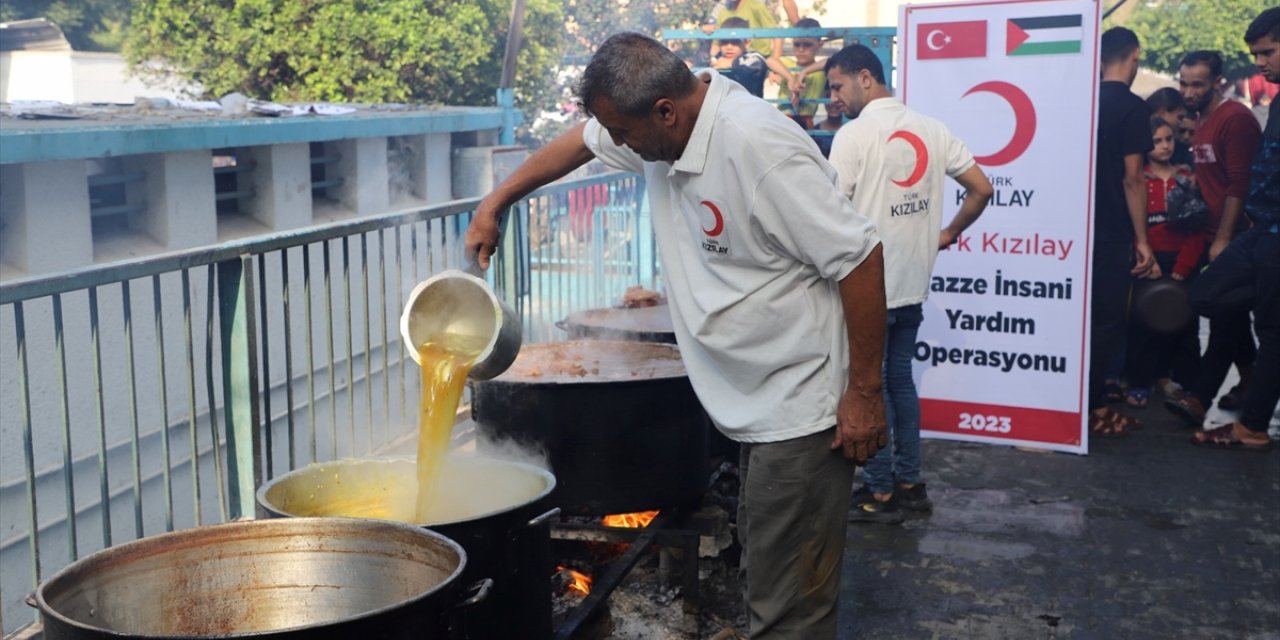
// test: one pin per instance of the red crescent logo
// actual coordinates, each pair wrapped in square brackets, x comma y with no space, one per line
[1024,122]
[922,157]
[719,226]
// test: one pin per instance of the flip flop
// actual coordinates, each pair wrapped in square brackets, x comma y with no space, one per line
[1224,437]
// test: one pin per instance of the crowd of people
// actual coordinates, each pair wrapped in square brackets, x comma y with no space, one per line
[1188,200]
[796,292]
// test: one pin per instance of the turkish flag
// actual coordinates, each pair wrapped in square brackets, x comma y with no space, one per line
[937,40]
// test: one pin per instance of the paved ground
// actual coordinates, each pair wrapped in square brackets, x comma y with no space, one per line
[1147,537]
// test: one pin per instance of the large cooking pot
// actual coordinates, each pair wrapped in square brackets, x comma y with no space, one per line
[498,511]
[645,324]
[302,578]
[619,421]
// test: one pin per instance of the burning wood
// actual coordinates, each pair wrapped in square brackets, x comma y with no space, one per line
[630,520]
[575,581]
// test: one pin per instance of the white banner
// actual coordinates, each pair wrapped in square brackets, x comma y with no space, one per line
[1002,355]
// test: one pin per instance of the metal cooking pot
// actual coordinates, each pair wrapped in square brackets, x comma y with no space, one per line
[301,578]
[645,324]
[461,303]
[505,530]
[619,421]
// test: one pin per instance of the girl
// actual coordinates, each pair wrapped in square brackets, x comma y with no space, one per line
[1169,358]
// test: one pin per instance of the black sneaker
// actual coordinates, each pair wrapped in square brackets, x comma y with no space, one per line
[913,499]
[860,495]
[877,512]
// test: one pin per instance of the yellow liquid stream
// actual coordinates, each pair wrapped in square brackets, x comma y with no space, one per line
[445,360]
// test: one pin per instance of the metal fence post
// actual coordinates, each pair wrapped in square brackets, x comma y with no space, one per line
[240,382]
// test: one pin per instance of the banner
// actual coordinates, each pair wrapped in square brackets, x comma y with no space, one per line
[1002,355]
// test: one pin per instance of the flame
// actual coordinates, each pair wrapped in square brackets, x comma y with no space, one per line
[579,582]
[630,520]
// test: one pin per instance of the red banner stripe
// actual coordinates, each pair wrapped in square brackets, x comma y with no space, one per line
[997,421]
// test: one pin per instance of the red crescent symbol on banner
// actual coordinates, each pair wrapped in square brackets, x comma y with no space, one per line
[922,157]
[719,226]
[1024,122]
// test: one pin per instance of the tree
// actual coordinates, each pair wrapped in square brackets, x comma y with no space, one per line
[89,25]
[1171,28]
[373,51]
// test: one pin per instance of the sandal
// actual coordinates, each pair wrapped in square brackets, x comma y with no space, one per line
[1129,423]
[1224,437]
[1114,392]
[1106,426]
[1138,397]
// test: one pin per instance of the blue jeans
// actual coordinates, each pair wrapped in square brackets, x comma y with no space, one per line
[900,461]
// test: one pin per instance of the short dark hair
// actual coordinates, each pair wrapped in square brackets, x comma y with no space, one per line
[634,71]
[1211,58]
[855,58]
[1165,99]
[1157,122]
[1118,43]
[735,22]
[807,23]
[1266,24]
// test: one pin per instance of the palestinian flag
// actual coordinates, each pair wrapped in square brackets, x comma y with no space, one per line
[1043,35]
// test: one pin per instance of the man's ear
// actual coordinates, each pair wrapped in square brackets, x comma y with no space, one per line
[665,110]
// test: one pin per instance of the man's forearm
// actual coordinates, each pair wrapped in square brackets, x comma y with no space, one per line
[978,191]
[1232,208]
[1135,196]
[862,295]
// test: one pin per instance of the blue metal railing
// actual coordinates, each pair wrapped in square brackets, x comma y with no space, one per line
[130,414]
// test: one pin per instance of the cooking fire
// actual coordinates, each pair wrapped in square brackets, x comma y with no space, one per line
[577,582]
[637,520]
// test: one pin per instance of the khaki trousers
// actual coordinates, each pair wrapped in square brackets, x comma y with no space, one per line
[792,513]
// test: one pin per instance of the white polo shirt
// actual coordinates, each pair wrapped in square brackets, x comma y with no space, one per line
[753,236]
[892,164]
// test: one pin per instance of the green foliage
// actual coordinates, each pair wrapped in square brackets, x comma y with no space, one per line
[89,25]
[1171,28]
[438,51]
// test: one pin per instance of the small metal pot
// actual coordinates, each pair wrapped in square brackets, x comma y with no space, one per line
[457,302]
[299,578]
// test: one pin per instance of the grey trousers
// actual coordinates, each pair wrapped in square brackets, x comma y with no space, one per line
[792,513]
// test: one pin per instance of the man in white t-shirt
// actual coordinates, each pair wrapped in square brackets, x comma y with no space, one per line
[892,164]
[776,292]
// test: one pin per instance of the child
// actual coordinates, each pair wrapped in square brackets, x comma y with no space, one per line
[1177,252]
[809,83]
[739,63]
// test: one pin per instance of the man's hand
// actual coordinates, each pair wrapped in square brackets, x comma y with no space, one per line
[1215,249]
[946,238]
[1155,273]
[1145,260]
[481,239]
[860,425]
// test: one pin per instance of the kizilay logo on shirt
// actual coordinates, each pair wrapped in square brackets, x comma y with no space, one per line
[712,229]
[911,203]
